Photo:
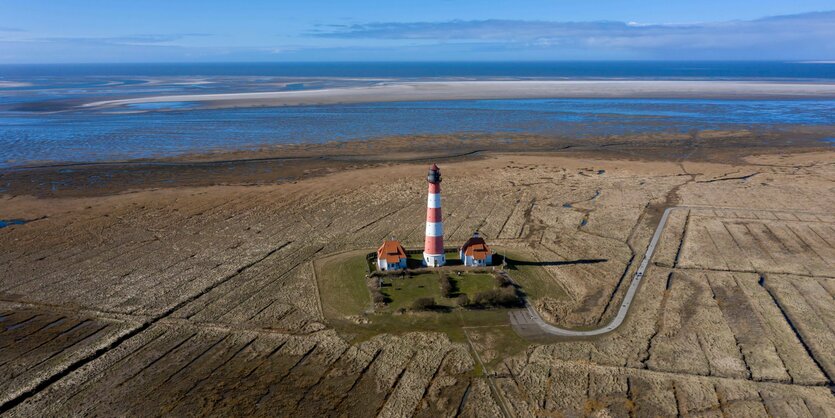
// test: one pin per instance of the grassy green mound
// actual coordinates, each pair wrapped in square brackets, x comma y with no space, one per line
[347,297]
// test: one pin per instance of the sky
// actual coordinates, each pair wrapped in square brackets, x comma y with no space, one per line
[107,31]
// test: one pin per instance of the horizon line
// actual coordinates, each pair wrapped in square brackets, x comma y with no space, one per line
[812,61]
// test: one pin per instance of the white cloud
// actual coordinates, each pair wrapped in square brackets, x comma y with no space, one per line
[777,37]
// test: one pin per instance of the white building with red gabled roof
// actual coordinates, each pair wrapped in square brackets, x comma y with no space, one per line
[475,252]
[391,256]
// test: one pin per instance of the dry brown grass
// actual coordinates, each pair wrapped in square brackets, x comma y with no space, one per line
[214,292]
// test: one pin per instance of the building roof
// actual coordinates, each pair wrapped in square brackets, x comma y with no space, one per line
[476,247]
[391,251]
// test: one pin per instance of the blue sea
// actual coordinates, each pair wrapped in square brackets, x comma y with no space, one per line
[41,121]
[566,69]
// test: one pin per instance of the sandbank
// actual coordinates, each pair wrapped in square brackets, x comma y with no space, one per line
[484,90]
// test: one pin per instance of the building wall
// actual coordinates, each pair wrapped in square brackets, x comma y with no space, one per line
[470,261]
[384,266]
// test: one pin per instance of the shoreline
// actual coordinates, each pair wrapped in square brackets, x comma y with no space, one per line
[493,90]
[288,164]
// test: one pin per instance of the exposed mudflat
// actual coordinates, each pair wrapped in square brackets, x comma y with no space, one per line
[186,287]
[277,164]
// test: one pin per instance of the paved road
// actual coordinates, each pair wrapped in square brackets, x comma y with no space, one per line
[528,323]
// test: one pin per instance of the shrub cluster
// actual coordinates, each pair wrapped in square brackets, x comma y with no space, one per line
[447,289]
[505,297]
[423,304]
[503,281]
[462,300]
[378,296]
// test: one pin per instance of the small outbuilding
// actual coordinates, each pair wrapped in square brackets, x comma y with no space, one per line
[475,252]
[391,256]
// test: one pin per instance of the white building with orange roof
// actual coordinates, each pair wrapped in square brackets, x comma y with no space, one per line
[475,252]
[391,256]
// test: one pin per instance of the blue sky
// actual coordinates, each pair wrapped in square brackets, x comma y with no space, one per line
[35,31]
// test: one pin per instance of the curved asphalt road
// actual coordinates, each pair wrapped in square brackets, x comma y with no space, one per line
[527,322]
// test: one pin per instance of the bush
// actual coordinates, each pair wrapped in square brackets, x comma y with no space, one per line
[423,304]
[378,296]
[447,288]
[462,299]
[503,281]
[505,297]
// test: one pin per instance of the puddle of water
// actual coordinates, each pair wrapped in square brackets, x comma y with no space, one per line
[56,323]
[584,222]
[9,222]
[295,87]
[567,205]
[162,105]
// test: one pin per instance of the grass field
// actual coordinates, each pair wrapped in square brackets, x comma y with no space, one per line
[345,298]
[495,344]
[534,280]
[342,285]
[403,291]
[471,284]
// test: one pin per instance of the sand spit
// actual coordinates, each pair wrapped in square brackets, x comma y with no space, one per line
[13,84]
[482,90]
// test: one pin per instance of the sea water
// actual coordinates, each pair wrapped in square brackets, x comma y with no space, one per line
[42,120]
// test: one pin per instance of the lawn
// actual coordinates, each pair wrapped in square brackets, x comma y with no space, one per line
[342,285]
[346,300]
[535,281]
[472,283]
[450,323]
[403,291]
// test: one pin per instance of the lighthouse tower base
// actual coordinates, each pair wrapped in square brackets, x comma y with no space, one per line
[434,260]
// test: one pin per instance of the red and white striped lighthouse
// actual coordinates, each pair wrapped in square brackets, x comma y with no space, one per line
[433,248]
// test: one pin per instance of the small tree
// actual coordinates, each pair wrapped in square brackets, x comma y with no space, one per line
[505,297]
[378,296]
[446,286]
[423,304]
[462,300]
[503,281]
[483,298]
[510,298]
